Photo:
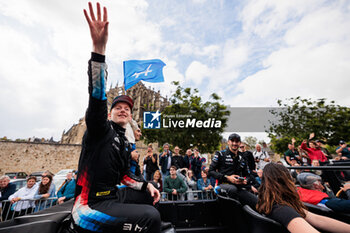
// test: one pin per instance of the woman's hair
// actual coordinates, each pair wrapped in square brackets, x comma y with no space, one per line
[277,187]
[205,172]
[160,175]
[45,188]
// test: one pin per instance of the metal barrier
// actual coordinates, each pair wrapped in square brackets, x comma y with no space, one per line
[24,206]
[27,206]
[188,196]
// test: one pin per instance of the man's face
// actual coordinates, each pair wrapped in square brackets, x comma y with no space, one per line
[312,145]
[242,147]
[177,150]
[258,148]
[290,147]
[315,163]
[233,145]
[4,183]
[137,134]
[30,183]
[121,114]
[149,149]
[293,162]
[172,171]
[69,175]
[189,152]
[166,148]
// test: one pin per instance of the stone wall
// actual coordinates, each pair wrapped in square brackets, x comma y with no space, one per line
[30,157]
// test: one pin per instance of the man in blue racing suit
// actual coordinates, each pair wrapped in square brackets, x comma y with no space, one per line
[231,170]
[105,157]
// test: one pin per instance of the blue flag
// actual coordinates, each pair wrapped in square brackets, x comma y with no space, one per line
[146,70]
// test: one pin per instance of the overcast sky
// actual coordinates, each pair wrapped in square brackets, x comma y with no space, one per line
[251,53]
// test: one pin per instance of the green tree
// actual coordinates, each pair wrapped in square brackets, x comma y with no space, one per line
[299,117]
[186,101]
[251,142]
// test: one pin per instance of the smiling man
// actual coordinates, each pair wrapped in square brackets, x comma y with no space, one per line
[105,157]
[231,170]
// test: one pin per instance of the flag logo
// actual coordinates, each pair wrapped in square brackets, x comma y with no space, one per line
[145,70]
[151,120]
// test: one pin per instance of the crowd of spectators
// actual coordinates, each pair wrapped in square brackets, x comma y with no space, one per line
[238,172]
[34,196]
[188,176]
[191,172]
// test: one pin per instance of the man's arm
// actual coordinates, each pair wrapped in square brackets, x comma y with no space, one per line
[15,195]
[214,166]
[339,149]
[71,189]
[131,180]
[31,194]
[11,190]
[288,160]
[183,187]
[96,114]
[304,146]
[141,185]
[287,157]
[167,187]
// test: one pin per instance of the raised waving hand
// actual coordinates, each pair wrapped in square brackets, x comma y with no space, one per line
[98,28]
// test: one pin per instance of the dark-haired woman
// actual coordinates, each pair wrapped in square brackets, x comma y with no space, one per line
[279,200]
[45,191]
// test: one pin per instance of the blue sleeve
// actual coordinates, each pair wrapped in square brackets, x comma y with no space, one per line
[339,205]
[59,192]
[71,189]
[96,114]
[37,195]
[132,167]
[97,76]
[200,185]
[53,191]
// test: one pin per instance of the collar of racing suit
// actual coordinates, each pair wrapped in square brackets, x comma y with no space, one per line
[118,128]
[233,155]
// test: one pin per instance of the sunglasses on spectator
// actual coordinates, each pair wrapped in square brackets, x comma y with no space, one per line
[44,176]
[241,147]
